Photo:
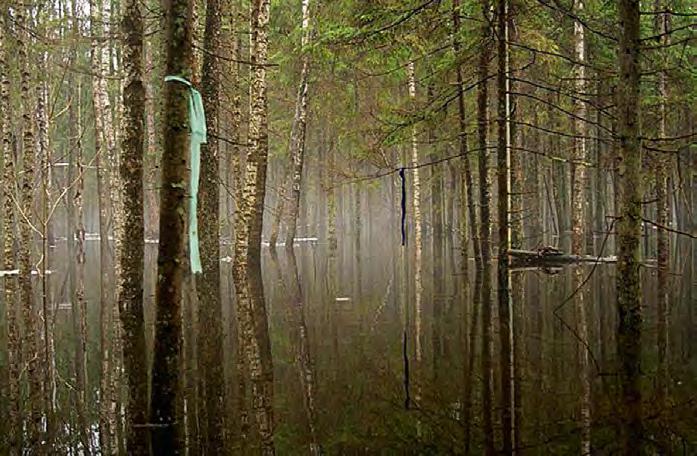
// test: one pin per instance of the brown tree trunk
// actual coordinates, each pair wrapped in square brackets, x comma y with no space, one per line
[208,284]
[466,173]
[629,229]
[9,195]
[132,257]
[504,230]
[484,226]
[171,262]
[30,339]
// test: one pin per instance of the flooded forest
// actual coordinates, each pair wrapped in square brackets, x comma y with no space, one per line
[348,227]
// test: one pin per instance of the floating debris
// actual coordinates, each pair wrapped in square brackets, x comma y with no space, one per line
[344,299]
[11,272]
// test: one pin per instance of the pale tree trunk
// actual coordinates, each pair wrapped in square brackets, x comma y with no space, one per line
[504,235]
[80,303]
[99,15]
[247,258]
[662,237]
[171,261]
[578,211]
[466,172]
[629,229]
[208,284]
[239,403]
[484,226]
[278,213]
[298,130]
[47,318]
[9,187]
[132,256]
[27,229]
[416,202]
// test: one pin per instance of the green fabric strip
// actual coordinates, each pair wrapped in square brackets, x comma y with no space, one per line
[197,126]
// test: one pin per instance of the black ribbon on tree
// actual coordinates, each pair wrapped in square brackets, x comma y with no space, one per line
[404,206]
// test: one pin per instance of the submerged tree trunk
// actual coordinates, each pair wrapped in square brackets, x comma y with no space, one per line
[578,219]
[484,227]
[246,267]
[504,234]
[298,130]
[29,317]
[171,263]
[208,284]
[629,229]
[662,239]
[9,195]
[130,298]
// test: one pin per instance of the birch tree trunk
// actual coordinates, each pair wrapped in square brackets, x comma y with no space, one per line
[504,208]
[173,209]
[629,229]
[298,130]
[247,262]
[208,284]
[9,195]
[103,139]
[27,229]
[132,257]
[416,202]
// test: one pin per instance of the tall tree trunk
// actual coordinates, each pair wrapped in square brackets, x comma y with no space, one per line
[504,235]
[484,225]
[578,219]
[9,194]
[80,304]
[171,263]
[662,236]
[208,284]
[629,228]
[132,258]
[298,130]
[466,173]
[103,140]
[418,237]
[247,259]
[30,340]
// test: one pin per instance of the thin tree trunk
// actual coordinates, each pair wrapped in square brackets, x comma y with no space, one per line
[484,227]
[132,257]
[466,174]
[662,239]
[80,301]
[298,130]
[99,13]
[629,229]
[418,237]
[578,236]
[504,234]
[173,209]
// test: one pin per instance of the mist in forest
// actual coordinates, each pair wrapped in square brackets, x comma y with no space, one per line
[348,227]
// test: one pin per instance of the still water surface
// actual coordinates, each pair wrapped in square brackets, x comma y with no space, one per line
[370,361]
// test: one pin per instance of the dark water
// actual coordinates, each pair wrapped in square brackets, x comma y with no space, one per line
[366,334]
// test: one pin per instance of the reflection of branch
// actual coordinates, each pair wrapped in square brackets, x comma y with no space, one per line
[671,230]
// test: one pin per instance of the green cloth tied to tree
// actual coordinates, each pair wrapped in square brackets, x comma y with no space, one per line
[197,126]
